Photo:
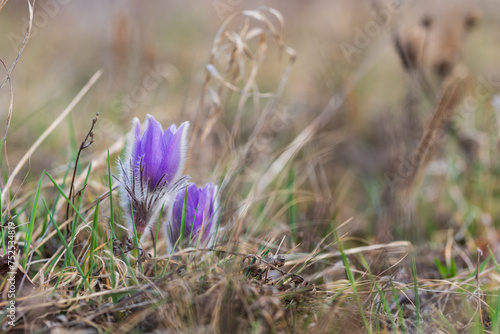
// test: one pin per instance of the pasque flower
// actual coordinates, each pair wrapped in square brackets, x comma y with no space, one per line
[151,172]
[202,211]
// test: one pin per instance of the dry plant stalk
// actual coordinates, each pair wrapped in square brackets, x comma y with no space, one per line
[399,197]
[236,60]
[3,3]
[9,79]
[87,141]
[239,74]
[49,130]
[452,92]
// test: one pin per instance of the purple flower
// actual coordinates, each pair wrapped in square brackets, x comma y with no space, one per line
[150,173]
[202,208]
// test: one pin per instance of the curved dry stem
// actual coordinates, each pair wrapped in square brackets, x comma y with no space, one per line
[48,131]
[9,79]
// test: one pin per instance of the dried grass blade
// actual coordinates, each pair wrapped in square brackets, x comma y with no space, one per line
[49,130]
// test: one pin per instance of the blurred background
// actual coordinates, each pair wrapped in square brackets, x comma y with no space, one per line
[154,53]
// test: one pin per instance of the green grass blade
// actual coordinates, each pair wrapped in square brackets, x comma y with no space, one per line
[51,217]
[380,292]
[112,264]
[292,207]
[129,267]
[351,279]
[3,220]
[398,306]
[443,271]
[69,251]
[495,323]
[29,233]
[80,200]
[482,266]
[453,267]
[444,322]
[155,251]
[415,288]
[93,239]
[58,196]
[64,195]
[111,208]
[183,221]
[495,262]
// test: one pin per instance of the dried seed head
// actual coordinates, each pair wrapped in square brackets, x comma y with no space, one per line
[472,18]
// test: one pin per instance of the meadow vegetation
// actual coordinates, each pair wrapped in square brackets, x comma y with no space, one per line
[342,160]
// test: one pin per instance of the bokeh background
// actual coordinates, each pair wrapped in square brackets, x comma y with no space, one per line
[364,80]
[153,54]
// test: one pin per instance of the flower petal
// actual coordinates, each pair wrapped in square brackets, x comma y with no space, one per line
[168,134]
[208,209]
[174,154]
[150,146]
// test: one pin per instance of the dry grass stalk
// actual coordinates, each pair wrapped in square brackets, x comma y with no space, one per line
[452,92]
[238,75]
[87,141]
[396,246]
[8,79]
[399,194]
[3,3]
[44,135]
[280,163]
[236,60]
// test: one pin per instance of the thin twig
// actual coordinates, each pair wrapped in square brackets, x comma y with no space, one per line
[9,79]
[478,282]
[89,139]
[26,36]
